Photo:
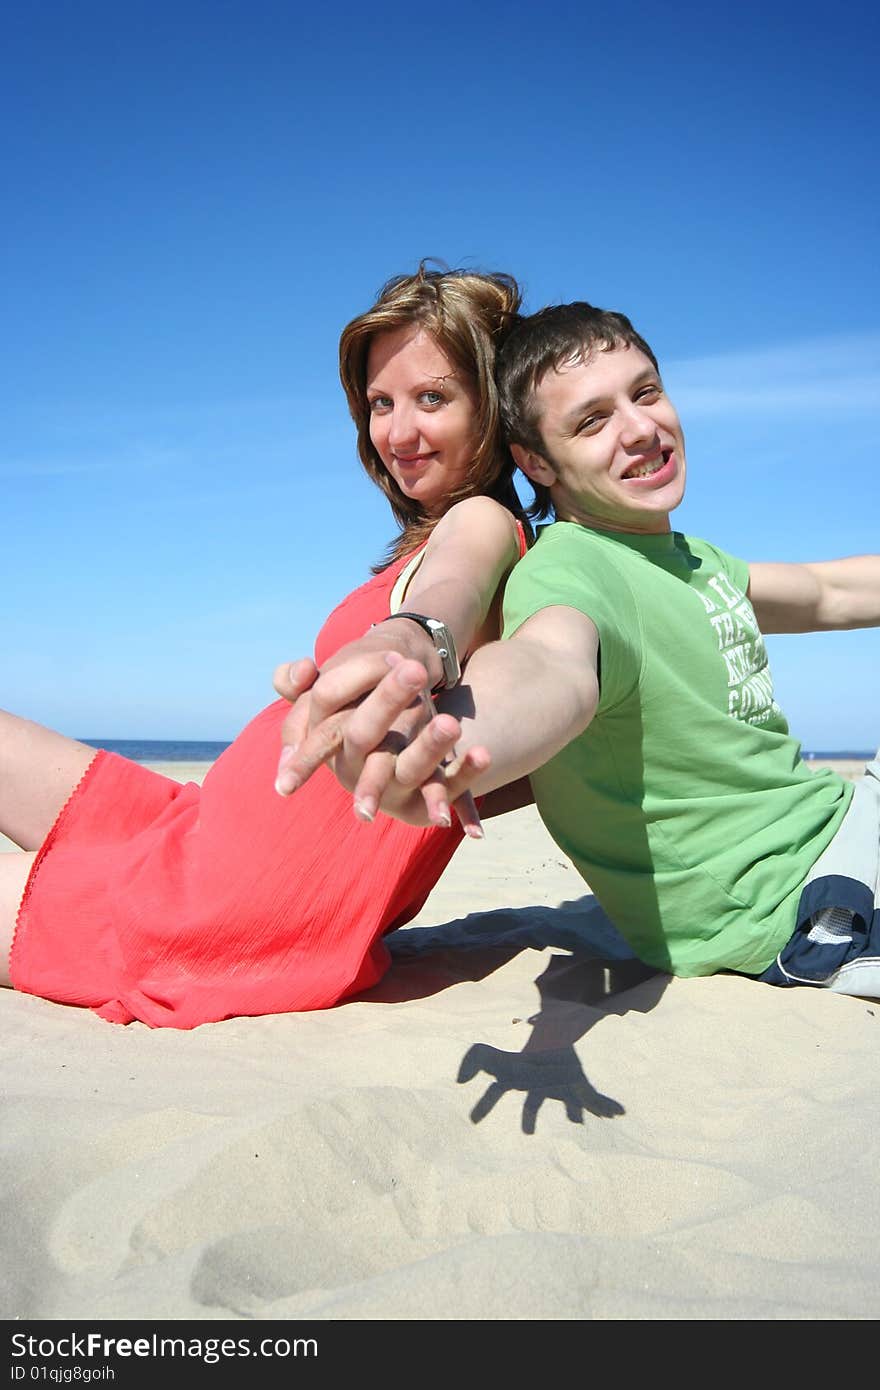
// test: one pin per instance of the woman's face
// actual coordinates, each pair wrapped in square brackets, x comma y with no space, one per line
[423,415]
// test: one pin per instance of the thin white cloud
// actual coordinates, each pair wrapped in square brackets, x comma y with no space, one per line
[818,375]
[285,446]
[135,460]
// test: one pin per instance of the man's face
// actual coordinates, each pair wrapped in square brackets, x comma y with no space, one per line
[613,453]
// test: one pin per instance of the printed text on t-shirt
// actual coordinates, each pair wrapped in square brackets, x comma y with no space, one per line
[742,648]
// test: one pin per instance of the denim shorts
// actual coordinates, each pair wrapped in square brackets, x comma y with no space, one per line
[836,944]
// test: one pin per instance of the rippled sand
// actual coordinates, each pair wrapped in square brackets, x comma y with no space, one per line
[519,1122]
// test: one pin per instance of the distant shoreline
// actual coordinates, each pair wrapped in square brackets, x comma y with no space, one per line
[159,750]
[207,750]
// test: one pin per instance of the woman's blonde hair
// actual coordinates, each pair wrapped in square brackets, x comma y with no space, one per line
[467,313]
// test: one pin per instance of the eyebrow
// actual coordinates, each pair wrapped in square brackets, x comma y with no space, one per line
[579,411]
[426,383]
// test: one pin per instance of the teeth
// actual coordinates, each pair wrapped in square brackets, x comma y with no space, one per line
[645,469]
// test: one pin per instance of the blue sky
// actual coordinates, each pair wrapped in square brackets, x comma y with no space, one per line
[199,195]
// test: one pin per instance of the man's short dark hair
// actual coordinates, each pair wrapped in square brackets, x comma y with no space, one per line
[560,335]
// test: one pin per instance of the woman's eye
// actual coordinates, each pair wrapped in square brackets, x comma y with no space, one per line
[379,403]
[432,398]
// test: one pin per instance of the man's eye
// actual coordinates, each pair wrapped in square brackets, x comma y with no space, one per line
[592,422]
[649,393]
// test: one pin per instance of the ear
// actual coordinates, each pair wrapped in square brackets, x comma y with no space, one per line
[533,465]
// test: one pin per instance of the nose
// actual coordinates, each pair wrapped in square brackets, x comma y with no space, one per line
[403,430]
[637,426]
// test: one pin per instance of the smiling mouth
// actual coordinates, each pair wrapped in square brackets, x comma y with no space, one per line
[649,466]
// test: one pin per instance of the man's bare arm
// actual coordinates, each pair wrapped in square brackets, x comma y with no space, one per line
[816,597]
[520,702]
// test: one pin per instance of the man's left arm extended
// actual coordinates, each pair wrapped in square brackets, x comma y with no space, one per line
[816,597]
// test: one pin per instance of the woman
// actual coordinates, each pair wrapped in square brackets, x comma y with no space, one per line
[178,905]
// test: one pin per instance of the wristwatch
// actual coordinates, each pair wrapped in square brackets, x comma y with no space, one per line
[444,646]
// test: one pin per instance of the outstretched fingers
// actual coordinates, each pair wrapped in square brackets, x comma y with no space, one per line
[312,733]
[342,685]
[293,681]
[379,772]
[299,759]
[459,773]
[390,750]
[351,735]
[430,764]
[375,720]
[295,677]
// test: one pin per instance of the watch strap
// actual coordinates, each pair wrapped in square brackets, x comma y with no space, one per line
[444,645]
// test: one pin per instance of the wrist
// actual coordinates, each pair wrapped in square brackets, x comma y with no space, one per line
[442,644]
[412,641]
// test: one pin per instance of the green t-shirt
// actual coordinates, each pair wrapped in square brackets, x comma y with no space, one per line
[685,804]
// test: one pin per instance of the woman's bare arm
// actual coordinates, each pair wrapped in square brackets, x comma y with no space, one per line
[466,561]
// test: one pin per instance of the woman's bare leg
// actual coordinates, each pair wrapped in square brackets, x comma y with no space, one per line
[38,771]
[14,870]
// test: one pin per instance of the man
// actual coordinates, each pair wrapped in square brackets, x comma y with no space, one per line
[632,685]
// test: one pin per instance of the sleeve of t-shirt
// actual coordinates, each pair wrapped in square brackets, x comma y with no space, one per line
[552,576]
[737,570]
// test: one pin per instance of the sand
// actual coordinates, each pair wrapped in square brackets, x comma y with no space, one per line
[518,1123]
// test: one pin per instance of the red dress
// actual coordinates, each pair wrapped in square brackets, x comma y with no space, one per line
[179,905]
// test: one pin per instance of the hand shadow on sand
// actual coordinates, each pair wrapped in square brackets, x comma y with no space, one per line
[600,976]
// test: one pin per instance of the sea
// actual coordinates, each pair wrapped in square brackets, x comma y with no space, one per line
[845,755]
[161,750]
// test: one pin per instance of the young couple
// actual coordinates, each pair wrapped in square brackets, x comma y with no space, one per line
[630,684]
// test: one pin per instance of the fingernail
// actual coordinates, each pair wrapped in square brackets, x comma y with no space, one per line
[365,810]
[286,780]
[475,832]
[442,818]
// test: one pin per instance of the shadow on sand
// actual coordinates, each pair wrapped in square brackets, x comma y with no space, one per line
[598,976]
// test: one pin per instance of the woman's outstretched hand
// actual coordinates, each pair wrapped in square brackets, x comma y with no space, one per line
[322,703]
[374,724]
[322,699]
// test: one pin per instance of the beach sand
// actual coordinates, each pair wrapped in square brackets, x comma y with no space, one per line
[519,1122]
